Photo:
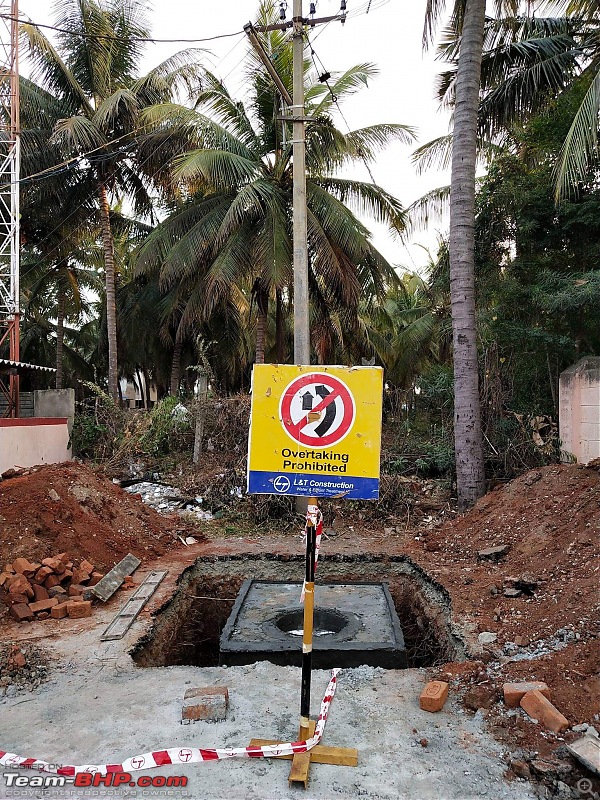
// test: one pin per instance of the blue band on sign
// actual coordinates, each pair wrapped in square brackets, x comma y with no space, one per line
[301,484]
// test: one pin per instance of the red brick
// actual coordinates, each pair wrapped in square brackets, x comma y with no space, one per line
[14,599]
[86,566]
[59,611]
[9,568]
[76,590]
[52,581]
[540,708]
[95,577]
[39,593]
[76,610]
[66,576]
[80,576]
[57,591]
[43,605]
[20,565]
[64,557]
[55,564]
[42,574]
[209,703]
[5,577]
[17,659]
[433,696]
[21,612]
[21,586]
[514,692]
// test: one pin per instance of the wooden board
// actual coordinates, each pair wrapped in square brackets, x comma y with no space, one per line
[121,623]
[109,584]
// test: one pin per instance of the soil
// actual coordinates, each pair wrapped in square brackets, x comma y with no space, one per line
[69,507]
[548,520]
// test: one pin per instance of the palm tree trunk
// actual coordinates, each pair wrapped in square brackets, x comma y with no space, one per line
[261,332]
[146,387]
[176,369]
[142,387]
[60,334]
[470,474]
[111,303]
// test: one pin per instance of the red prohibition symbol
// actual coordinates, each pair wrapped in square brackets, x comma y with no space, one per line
[317,410]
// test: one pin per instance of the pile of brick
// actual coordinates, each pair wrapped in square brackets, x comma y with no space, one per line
[57,587]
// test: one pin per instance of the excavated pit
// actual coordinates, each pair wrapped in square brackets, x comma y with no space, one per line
[188,627]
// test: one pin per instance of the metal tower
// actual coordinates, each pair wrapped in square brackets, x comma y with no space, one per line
[9,189]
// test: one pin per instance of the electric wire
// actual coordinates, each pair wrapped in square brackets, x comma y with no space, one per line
[334,100]
[111,38]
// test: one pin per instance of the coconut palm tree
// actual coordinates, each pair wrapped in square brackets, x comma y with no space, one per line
[232,232]
[469,19]
[90,79]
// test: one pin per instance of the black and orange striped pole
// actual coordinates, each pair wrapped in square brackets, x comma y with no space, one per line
[307,629]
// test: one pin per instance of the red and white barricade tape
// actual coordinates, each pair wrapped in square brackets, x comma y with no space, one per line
[184,755]
[314,517]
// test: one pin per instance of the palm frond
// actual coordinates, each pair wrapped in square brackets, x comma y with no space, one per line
[581,144]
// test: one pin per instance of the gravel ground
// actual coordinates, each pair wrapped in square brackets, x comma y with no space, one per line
[99,707]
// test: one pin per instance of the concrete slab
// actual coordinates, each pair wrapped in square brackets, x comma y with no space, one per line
[355,623]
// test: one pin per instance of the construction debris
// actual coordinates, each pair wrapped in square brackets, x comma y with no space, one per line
[168,500]
[514,692]
[587,751]
[541,709]
[92,519]
[108,585]
[209,704]
[22,666]
[433,696]
[34,590]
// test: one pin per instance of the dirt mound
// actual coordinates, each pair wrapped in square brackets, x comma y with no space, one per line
[547,584]
[68,507]
[536,595]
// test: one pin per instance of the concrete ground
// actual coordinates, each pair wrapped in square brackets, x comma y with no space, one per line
[99,707]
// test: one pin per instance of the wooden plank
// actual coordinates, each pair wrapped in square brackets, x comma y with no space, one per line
[108,585]
[337,756]
[121,623]
[301,761]
[300,769]
[587,750]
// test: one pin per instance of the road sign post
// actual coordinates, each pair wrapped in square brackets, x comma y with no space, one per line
[315,432]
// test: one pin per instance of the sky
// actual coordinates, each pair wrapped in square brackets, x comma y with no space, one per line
[389,35]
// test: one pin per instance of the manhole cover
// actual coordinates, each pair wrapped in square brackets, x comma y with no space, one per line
[354,624]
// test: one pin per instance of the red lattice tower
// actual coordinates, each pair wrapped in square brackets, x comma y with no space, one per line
[9,188]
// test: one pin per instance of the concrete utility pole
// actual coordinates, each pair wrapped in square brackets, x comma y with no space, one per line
[301,317]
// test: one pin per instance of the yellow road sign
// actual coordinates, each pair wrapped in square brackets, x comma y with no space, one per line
[315,431]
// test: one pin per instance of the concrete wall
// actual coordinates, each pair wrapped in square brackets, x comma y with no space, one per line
[28,442]
[55,403]
[579,409]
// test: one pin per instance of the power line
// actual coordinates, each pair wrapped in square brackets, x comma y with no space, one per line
[325,75]
[111,38]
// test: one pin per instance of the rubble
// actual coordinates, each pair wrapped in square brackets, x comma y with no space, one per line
[22,666]
[66,579]
[168,500]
